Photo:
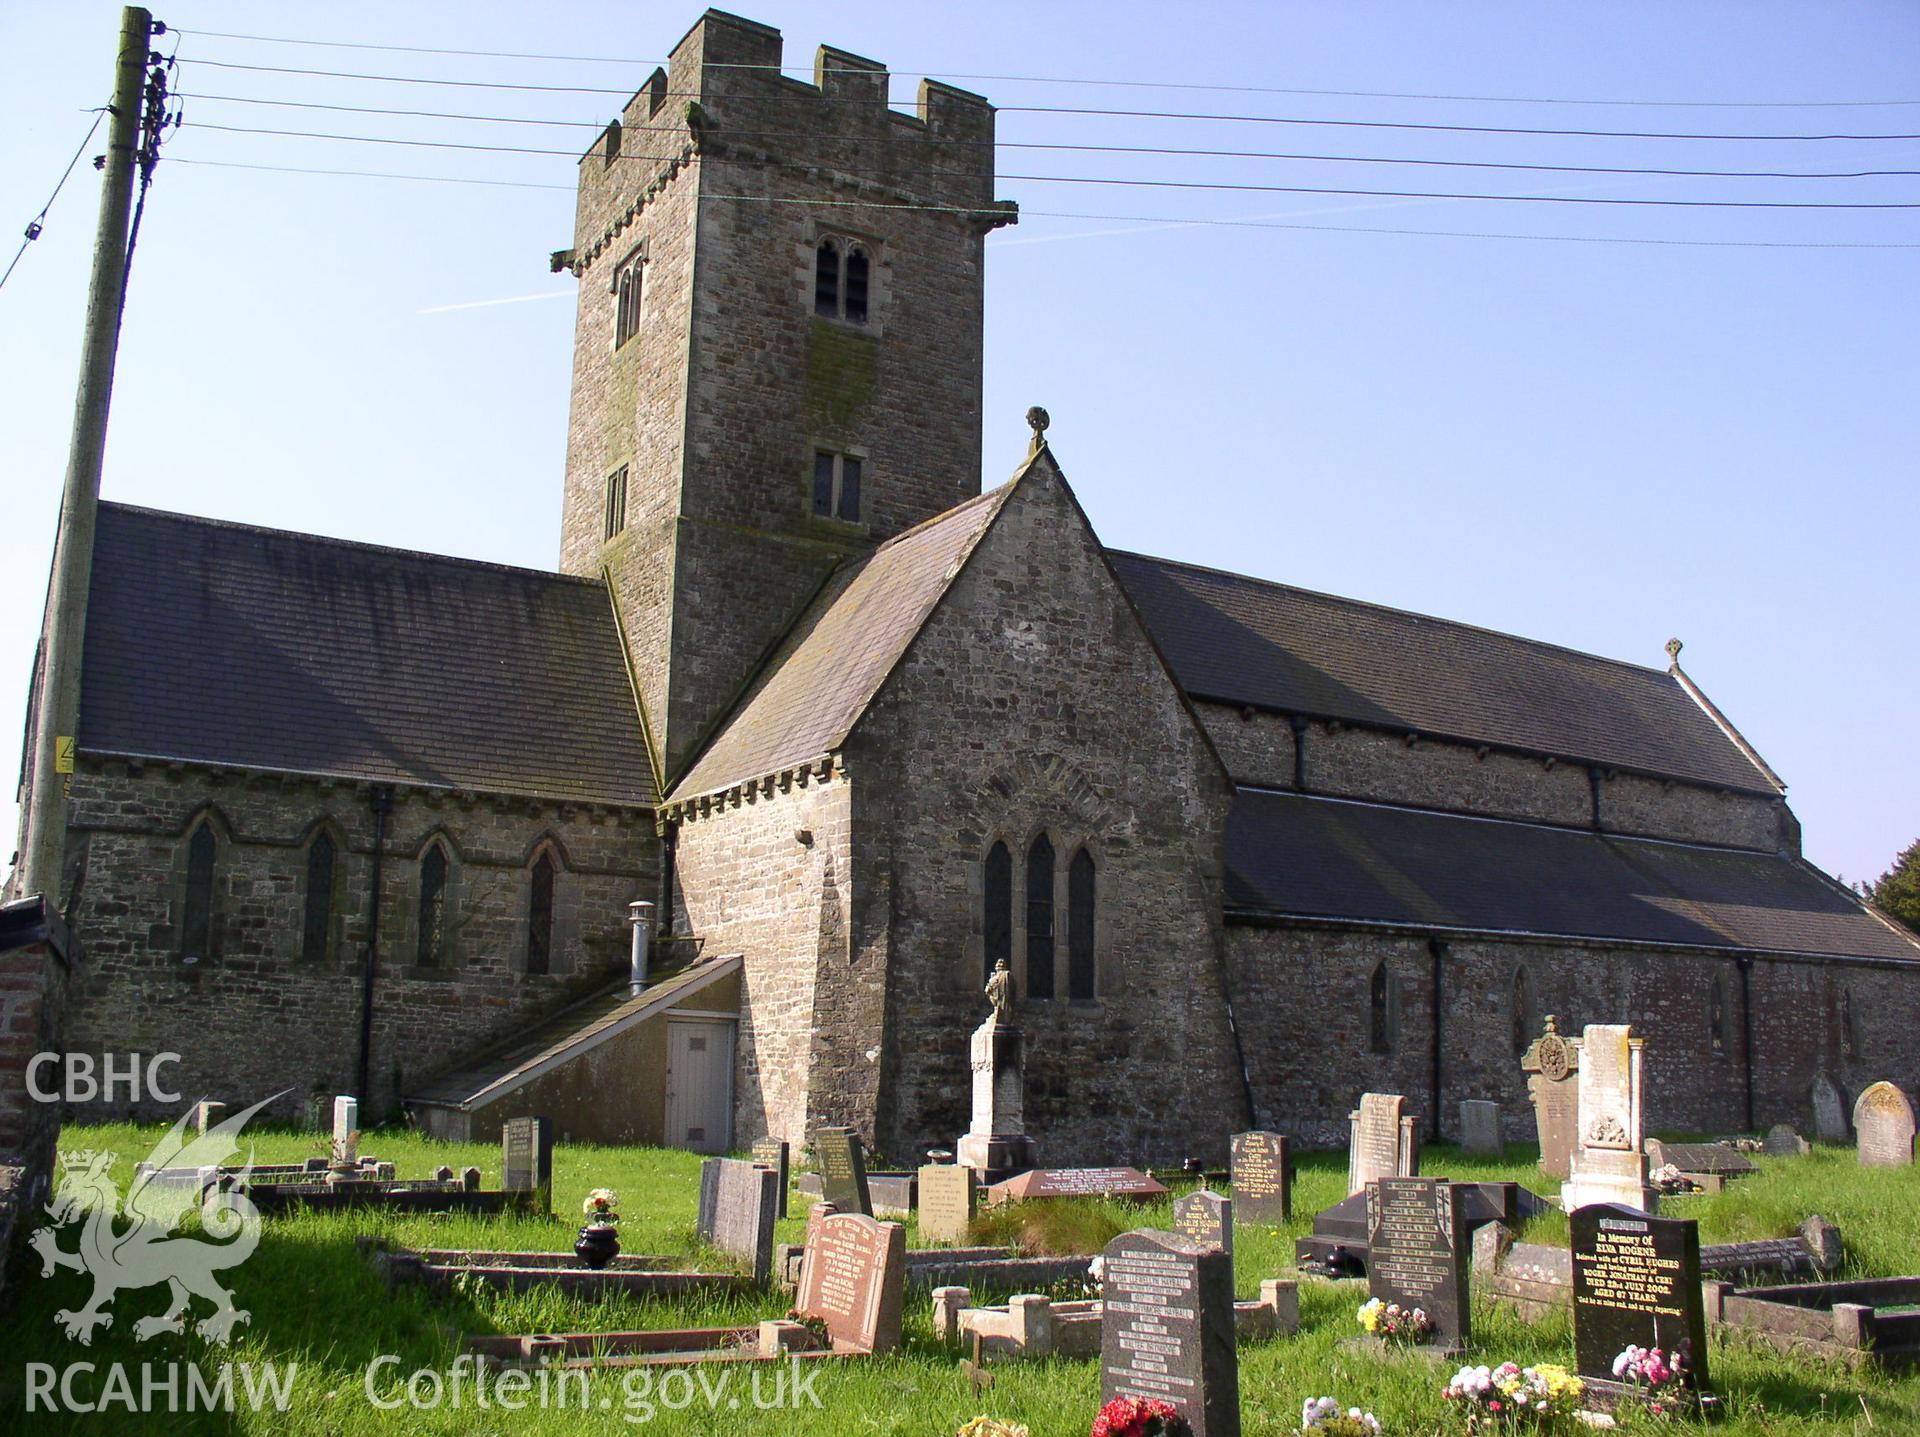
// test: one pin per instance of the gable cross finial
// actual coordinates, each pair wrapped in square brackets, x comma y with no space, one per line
[1038,421]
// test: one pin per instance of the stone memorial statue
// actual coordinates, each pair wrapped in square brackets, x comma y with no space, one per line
[1000,992]
[995,1143]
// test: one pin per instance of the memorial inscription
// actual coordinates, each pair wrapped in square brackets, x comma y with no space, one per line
[773,1153]
[1262,1182]
[843,1170]
[1415,1231]
[1206,1218]
[1636,1280]
[1166,1329]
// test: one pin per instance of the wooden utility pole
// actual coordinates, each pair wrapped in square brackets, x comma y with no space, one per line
[57,712]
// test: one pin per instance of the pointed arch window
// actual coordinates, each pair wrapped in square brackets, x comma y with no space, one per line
[826,279]
[1040,919]
[1380,1010]
[1717,1018]
[842,279]
[627,281]
[316,921]
[196,920]
[855,306]
[540,916]
[1522,1011]
[1082,980]
[996,919]
[432,938]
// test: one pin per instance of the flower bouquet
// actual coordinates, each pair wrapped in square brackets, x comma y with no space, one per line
[1512,1398]
[1390,1322]
[1140,1417]
[599,1242]
[1662,1379]
[601,1208]
[1323,1417]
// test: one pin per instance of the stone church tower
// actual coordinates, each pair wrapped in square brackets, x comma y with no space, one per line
[777,358]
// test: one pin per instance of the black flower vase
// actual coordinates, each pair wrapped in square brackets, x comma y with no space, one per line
[597,1246]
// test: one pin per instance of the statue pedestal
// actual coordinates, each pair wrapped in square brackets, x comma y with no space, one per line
[996,1144]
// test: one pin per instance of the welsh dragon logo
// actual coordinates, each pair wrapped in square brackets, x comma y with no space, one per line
[180,1174]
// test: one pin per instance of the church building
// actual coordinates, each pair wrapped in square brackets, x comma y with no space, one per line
[351,819]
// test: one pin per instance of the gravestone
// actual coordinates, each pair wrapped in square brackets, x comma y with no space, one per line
[1552,1063]
[1075,1182]
[1783,1142]
[1261,1176]
[1206,1218]
[773,1153]
[1480,1128]
[996,1140]
[1829,1111]
[737,1207]
[208,1115]
[1717,1160]
[526,1158]
[346,1118]
[948,1193]
[1636,1280]
[1608,1164]
[843,1170]
[1166,1328]
[1418,1245]
[853,1278]
[1384,1142]
[1883,1123]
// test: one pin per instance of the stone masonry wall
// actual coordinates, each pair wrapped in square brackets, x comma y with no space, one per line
[1032,703]
[767,873]
[1346,761]
[256,1016]
[1311,1060]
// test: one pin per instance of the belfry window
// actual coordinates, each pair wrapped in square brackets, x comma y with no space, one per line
[432,938]
[842,269]
[836,485]
[626,299]
[540,916]
[1040,919]
[616,507]
[996,925]
[1082,980]
[317,916]
[196,919]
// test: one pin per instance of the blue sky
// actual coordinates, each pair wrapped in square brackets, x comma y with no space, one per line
[1584,437]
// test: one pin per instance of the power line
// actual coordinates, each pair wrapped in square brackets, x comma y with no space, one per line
[1076,110]
[1162,221]
[35,225]
[1150,184]
[1200,153]
[1084,80]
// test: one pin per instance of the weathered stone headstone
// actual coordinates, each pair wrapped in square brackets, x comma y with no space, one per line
[1883,1123]
[1608,1164]
[1783,1142]
[1384,1143]
[1553,1065]
[1206,1218]
[1166,1329]
[346,1118]
[1075,1182]
[996,1140]
[526,1158]
[737,1205]
[1720,1160]
[843,1170]
[948,1194]
[208,1115]
[1262,1180]
[1829,1111]
[1480,1127]
[1636,1280]
[1418,1246]
[853,1278]
[773,1153]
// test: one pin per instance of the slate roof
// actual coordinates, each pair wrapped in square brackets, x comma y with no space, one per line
[832,663]
[1249,641]
[565,1036]
[223,643]
[1299,856]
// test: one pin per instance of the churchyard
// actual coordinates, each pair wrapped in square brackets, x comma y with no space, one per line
[317,1304]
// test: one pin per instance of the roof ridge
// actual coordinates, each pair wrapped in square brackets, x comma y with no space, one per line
[1648,670]
[206,521]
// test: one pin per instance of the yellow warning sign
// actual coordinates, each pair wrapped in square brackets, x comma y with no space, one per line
[63,753]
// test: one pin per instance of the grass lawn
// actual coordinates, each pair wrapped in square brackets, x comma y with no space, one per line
[318,1309]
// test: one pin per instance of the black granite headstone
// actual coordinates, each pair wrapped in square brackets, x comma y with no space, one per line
[1418,1250]
[526,1157]
[1261,1177]
[772,1153]
[1166,1328]
[1636,1281]
[843,1170]
[1205,1217]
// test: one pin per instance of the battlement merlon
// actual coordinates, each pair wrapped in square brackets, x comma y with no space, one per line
[723,94]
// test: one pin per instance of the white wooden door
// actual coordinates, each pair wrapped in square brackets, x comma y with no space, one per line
[699,1085]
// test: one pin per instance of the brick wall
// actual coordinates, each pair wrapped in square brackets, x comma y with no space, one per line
[256,1015]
